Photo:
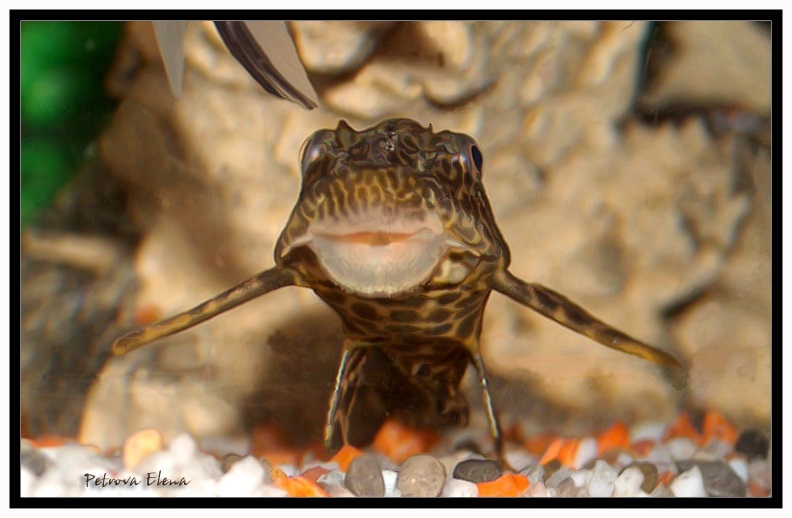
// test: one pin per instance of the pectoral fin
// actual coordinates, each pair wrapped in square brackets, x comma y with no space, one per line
[557,307]
[256,286]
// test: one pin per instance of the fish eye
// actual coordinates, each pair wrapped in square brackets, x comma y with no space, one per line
[314,148]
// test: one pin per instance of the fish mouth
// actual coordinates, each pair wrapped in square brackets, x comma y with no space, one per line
[378,256]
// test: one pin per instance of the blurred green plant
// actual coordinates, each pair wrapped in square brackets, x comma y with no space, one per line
[63,102]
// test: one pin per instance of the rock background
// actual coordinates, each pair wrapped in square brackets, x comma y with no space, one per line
[644,197]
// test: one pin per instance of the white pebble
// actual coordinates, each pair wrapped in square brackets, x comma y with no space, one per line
[242,479]
[660,453]
[628,483]
[51,484]
[622,460]
[581,477]
[73,459]
[518,459]
[183,448]
[202,470]
[661,491]
[653,430]
[387,463]
[586,451]
[681,448]
[740,466]
[661,457]
[689,484]
[459,488]
[333,478]
[114,483]
[538,489]
[27,482]
[390,476]
[603,478]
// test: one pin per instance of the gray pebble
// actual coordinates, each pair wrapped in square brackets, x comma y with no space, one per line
[33,460]
[551,467]
[267,469]
[229,460]
[650,475]
[476,470]
[421,476]
[534,474]
[753,444]
[567,488]
[557,477]
[364,476]
[719,478]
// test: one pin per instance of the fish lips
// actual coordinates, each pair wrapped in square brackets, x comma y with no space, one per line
[378,257]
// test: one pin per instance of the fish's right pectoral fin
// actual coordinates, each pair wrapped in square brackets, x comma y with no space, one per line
[254,287]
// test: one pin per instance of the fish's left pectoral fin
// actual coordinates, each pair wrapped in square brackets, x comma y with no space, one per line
[560,309]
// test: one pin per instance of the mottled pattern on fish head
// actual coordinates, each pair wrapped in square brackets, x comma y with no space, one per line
[391,210]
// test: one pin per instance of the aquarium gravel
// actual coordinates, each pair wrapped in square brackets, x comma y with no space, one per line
[649,459]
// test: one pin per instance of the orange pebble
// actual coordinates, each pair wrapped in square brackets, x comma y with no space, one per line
[537,444]
[665,478]
[140,445]
[299,486]
[50,441]
[617,436]
[568,452]
[717,427]
[643,447]
[345,455]
[552,451]
[508,484]
[565,450]
[276,473]
[682,427]
[398,442]
[757,490]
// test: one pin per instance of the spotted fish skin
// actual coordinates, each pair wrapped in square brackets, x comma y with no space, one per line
[425,323]
[393,230]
